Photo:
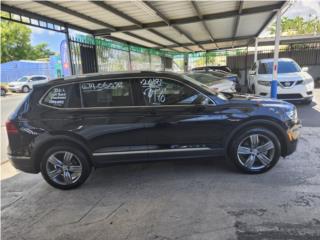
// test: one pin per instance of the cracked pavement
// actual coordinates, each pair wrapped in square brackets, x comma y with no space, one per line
[194,199]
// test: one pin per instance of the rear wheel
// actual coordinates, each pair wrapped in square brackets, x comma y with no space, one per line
[255,150]
[65,167]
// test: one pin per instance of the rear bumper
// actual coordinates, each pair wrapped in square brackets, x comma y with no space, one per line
[23,163]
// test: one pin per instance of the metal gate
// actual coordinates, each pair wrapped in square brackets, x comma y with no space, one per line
[83,57]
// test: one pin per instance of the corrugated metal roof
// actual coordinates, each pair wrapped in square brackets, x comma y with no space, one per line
[182,25]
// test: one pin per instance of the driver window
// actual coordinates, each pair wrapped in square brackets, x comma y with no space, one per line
[157,91]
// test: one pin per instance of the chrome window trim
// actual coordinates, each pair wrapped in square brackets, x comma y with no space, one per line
[151,151]
[40,102]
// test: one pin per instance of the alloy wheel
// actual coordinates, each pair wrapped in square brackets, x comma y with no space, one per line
[256,152]
[64,167]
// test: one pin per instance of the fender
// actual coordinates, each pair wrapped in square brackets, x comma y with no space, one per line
[257,122]
[47,138]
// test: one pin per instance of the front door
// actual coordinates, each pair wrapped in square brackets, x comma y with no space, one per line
[180,120]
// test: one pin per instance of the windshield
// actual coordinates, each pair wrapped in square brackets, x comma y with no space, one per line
[22,79]
[283,67]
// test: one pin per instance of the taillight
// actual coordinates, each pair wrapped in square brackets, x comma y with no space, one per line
[11,128]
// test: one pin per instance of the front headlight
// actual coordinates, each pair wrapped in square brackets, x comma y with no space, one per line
[292,114]
[264,83]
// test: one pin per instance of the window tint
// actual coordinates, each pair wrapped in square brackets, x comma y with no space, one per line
[106,93]
[158,91]
[65,96]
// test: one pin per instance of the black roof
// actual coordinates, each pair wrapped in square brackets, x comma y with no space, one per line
[109,75]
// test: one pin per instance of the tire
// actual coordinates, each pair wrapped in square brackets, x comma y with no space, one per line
[58,173]
[247,154]
[3,92]
[25,89]
[307,101]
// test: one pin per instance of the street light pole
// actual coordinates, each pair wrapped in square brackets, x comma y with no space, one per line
[274,83]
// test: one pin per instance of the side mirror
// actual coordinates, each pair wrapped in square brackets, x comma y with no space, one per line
[252,72]
[304,69]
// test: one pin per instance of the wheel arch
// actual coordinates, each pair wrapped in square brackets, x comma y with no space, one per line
[44,141]
[270,124]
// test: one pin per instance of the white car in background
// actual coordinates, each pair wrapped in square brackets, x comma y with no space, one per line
[294,83]
[25,83]
[214,83]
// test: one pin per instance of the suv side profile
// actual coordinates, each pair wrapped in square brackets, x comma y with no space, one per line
[26,83]
[67,126]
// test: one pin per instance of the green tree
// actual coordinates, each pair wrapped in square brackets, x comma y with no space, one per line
[297,26]
[16,44]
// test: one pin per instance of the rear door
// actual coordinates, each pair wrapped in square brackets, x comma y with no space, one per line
[112,125]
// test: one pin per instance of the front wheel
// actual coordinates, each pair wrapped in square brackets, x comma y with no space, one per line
[65,167]
[255,150]
[25,89]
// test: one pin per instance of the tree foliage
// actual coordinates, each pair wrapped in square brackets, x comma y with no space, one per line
[297,26]
[16,43]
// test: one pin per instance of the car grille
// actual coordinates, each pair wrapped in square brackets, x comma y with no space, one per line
[286,84]
[289,96]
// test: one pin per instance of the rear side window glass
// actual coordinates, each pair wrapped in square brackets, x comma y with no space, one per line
[106,93]
[65,96]
[262,69]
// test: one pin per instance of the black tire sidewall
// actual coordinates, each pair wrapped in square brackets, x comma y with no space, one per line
[86,167]
[263,131]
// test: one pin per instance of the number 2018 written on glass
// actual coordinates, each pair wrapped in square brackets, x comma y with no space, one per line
[153,88]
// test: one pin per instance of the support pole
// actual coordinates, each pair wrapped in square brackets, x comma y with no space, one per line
[274,83]
[69,51]
[256,50]
[185,62]
[130,63]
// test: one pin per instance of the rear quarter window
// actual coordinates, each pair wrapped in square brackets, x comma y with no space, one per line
[64,96]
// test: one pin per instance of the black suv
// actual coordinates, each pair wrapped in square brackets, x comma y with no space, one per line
[66,126]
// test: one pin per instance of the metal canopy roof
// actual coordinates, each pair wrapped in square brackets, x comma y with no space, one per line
[176,25]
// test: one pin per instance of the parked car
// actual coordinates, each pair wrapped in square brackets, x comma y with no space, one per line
[213,68]
[66,126]
[222,74]
[26,83]
[4,90]
[213,82]
[294,83]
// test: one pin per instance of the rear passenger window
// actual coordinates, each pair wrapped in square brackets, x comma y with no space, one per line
[106,93]
[65,96]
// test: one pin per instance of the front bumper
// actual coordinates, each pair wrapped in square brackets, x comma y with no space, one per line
[23,163]
[15,89]
[301,92]
[293,134]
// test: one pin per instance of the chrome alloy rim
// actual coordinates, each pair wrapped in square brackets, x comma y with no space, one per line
[64,168]
[255,152]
